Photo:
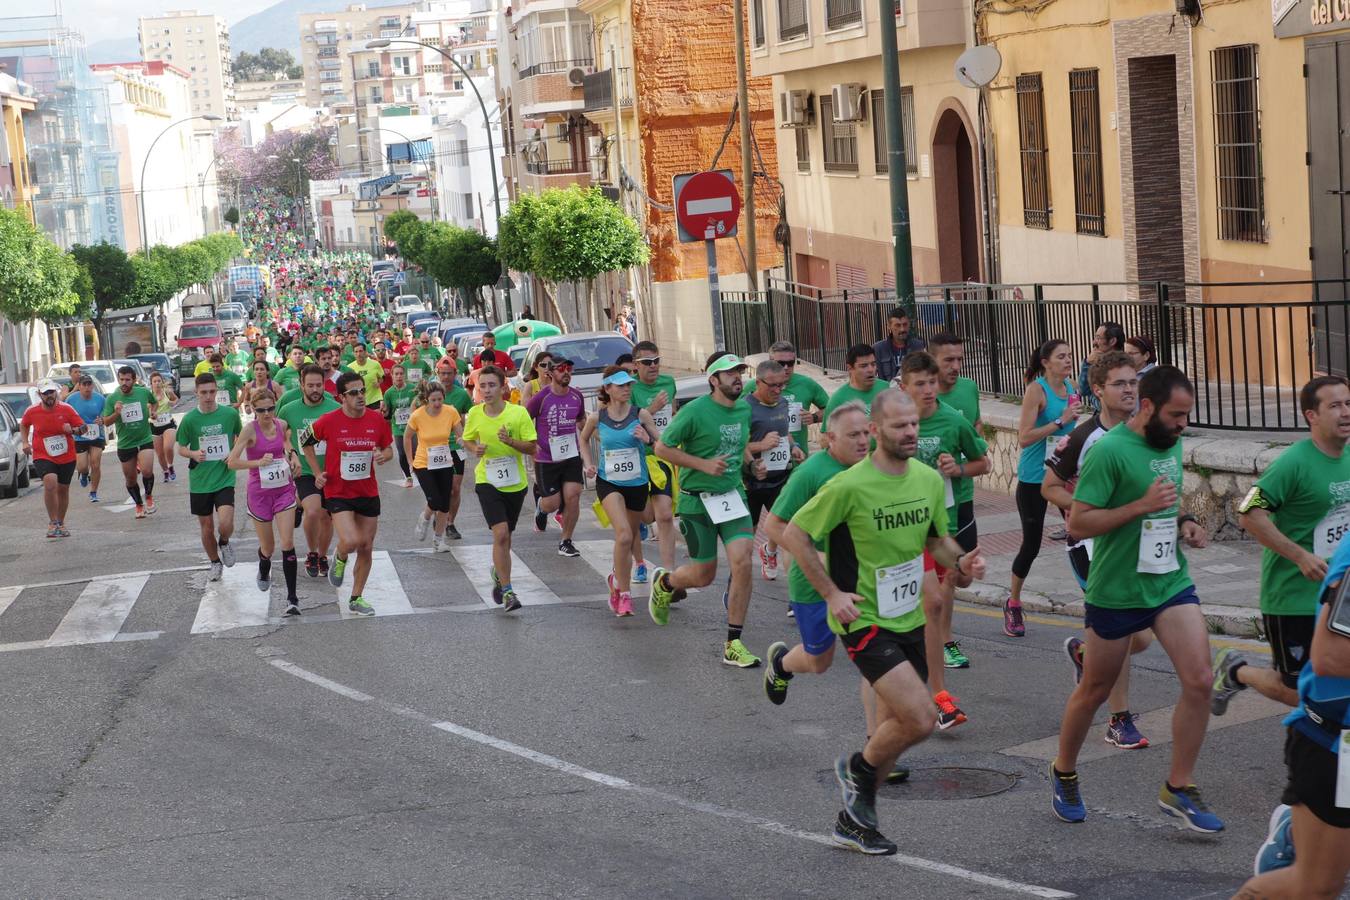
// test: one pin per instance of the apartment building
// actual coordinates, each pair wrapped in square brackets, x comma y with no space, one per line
[250,95]
[199,44]
[17,100]
[327,40]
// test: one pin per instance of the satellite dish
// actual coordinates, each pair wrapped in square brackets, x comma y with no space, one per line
[978,66]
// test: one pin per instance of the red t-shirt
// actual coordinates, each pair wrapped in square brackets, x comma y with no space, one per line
[494,358]
[49,432]
[358,439]
[386,382]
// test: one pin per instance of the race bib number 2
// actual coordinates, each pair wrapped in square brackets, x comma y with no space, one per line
[724,507]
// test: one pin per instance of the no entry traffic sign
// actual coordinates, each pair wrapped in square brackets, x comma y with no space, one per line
[707,205]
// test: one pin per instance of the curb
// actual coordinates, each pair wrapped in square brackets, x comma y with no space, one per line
[1233,621]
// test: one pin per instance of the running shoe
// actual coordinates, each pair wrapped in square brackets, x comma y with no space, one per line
[848,833]
[1066,801]
[613,594]
[1278,850]
[53,532]
[775,685]
[792,613]
[166,478]
[949,714]
[323,565]
[293,609]
[898,775]
[496,587]
[84,479]
[768,563]
[658,603]
[422,526]
[953,658]
[173,473]
[407,482]
[643,531]
[215,571]
[360,607]
[565,548]
[150,507]
[336,569]
[625,604]
[1121,732]
[93,496]
[1013,626]
[453,533]
[264,584]
[1073,648]
[860,798]
[1187,805]
[510,602]
[441,544]
[140,512]
[227,554]
[61,530]
[557,517]
[540,520]
[1225,684]
[312,564]
[734,653]
[640,573]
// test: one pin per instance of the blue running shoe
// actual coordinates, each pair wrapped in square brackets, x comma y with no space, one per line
[1278,850]
[1123,733]
[1066,801]
[1187,805]
[640,573]
[642,531]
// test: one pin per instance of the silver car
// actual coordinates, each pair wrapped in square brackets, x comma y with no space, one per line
[13,463]
[589,351]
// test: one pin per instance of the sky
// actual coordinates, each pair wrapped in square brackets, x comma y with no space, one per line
[105,19]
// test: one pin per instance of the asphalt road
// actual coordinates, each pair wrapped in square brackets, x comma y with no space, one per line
[454,750]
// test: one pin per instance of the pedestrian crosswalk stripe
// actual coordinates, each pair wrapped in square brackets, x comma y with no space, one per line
[8,595]
[477,560]
[383,587]
[599,555]
[232,602]
[99,612]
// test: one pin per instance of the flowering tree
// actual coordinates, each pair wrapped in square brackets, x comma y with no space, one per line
[272,165]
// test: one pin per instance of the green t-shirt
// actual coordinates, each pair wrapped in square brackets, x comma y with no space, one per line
[215,432]
[294,393]
[964,397]
[396,399]
[1307,494]
[884,524]
[238,362]
[421,366]
[1118,471]
[801,486]
[644,394]
[287,377]
[348,354]
[300,415]
[372,373]
[228,381]
[460,400]
[849,392]
[133,427]
[431,353]
[462,365]
[706,429]
[947,431]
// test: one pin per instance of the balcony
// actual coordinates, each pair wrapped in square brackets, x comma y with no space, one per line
[536,175]
[598,90]
[554,67]
[326,25]
[544,89]
[328,51]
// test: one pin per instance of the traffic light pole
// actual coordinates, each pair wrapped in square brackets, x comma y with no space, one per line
[901,248]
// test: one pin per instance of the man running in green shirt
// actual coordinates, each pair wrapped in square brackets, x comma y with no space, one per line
[128,410]
[949,444]
[655,393]
[205,437]
[415,369]
[862,383]
[398,409]
[300,414]
[236,360]
[707,441]
[1128,499]
[1298,510]
[288,376]
[880,517]
[230,385]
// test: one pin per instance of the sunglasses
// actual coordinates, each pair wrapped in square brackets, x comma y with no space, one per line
[649,361]
[786,363]
[354,393]
[263,409]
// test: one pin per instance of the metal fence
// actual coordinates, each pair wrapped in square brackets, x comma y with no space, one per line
[1247,347]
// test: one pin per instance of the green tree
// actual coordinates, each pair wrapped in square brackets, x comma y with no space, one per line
[112,279]
[232,216]
[395,222]
[462,259]
[36,278]
[412,239]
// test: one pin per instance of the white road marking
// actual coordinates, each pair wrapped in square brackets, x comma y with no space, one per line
[616,783]
[476,561]
[125,506]
[8,595]
[384,590]
[109,577]
[98,613]
[1156,725]
[234,601]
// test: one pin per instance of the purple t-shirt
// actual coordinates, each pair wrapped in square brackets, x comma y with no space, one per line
[554,415]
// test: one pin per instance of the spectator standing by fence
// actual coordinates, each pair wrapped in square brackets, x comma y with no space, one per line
[899,341]
[1108,336]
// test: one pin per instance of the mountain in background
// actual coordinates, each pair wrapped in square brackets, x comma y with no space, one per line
[279,24]
[115,50]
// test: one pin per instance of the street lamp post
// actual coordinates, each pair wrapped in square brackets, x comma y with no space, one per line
[381,43]
[145,226]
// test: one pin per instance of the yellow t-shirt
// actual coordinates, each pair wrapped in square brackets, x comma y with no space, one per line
[203,366]
[481,427]
[432,431]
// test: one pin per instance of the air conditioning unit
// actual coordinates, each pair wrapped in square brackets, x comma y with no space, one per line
[576,74]
[847,101]
[794,108]
[595,147]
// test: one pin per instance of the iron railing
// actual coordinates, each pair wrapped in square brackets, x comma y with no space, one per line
[553,67]
[555,167]
[1247,346]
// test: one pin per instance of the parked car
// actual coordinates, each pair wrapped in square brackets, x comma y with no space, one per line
[18,397]
[156,362]
[589,351]
[14,465]
[418,316]
[383,265]
[248,301]
[142,372]
[689,387]
[408,303]
[452,333]
[198,334]
[232,320]
[103,371]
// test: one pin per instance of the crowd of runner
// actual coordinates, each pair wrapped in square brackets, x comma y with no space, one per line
[869,491]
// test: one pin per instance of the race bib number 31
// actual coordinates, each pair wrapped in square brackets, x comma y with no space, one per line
[502,471]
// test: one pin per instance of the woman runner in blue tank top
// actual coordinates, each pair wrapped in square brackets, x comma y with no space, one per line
[1050,410]
[625,433]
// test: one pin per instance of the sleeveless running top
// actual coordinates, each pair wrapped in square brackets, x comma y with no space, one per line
[621,453]
[262,445]
[1031,465]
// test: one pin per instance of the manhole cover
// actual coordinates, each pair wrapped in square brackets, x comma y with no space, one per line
[944,783]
